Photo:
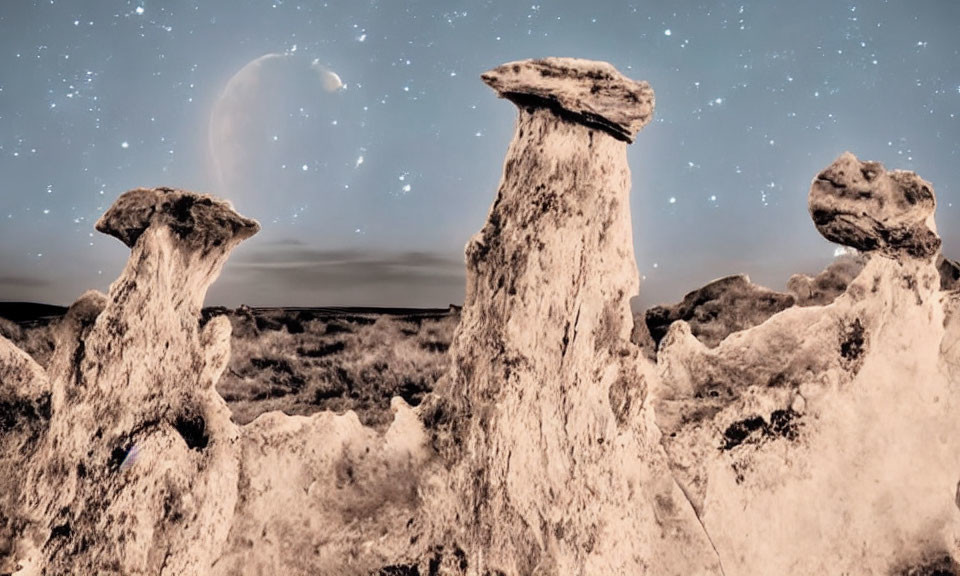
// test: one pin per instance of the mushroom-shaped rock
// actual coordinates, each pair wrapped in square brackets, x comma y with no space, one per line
[860,204]
[201,229]
[591,93]
[137,472]
[557,468]
[202,222]
[799,439]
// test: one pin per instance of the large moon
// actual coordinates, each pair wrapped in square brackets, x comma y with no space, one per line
[273,130]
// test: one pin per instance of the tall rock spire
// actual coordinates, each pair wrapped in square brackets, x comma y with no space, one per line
[560,463]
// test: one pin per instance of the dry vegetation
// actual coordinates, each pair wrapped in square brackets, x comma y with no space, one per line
[302,361]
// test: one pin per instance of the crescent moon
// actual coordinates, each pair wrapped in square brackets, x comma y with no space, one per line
[229,109]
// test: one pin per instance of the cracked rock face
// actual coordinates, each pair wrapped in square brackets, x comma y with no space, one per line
[829,428]
[560,461]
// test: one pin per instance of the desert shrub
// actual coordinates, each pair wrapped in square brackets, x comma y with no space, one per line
[349,362]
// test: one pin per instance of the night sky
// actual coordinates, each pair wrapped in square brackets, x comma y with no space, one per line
[368,191]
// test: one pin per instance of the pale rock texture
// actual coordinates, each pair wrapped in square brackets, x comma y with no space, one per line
[557,464]
[137,472]
[325,495]
[861,205]
[585,92]
[24,414]
[949,273]
[762,438]
[824,441]
[129,462]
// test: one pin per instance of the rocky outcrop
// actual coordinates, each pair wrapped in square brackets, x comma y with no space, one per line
[585,93]
[801,441]
[763,438]
[949,274]
[24,415]
[555,457]
[137,472]
[824,288]
[719,309]
[732,304]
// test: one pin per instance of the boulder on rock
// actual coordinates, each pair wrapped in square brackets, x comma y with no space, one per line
[862,205]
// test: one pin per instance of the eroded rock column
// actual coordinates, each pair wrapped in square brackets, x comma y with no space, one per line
[561,472]
[137,473]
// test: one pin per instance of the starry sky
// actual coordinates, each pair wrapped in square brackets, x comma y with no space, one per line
[361,137]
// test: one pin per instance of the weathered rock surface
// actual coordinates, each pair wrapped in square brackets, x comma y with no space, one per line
[829,430]
[558,467]
[861,205]
[719,309]
[764,438]
[137,472]
[949,273]
[24,413]
[585,92]
[134,466]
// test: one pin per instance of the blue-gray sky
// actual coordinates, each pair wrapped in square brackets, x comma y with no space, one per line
[368,192]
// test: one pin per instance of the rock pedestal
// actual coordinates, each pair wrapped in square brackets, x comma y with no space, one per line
[137,472]
[561,471]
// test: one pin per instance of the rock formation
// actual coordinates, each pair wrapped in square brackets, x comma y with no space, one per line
[24,415]
[719,309]
[829,430]
[949,274]
[858,204]
[558,459]
[137,471]
[804,433]
[131,461]
[824,288]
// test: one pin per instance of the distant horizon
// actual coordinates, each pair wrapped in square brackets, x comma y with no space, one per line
[644,300]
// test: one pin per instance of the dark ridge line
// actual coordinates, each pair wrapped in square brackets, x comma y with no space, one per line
[20,312]
[31,312]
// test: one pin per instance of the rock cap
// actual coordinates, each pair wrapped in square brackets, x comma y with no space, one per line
[585,91]
[861,204]
[201,221]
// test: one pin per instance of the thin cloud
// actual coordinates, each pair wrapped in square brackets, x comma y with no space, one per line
[296,265]
[23,282]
